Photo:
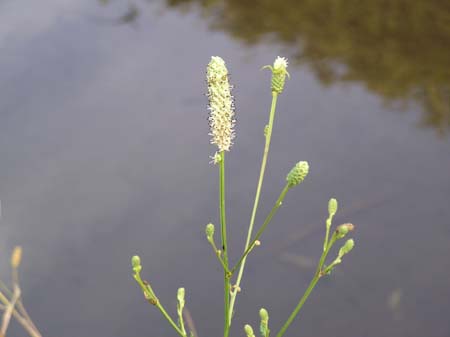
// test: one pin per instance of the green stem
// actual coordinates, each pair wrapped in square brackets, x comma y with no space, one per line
[223,228]
[217,253]
[180,318]
[310,288]
[268,135]
[299,305]
[263,227]
[169,319]
[150,295]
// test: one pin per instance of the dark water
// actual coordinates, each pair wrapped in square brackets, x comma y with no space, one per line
[104,154]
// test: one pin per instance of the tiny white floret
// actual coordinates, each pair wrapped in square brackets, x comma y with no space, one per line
[280,63]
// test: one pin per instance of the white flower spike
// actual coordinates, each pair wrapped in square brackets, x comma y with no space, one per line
[221,106]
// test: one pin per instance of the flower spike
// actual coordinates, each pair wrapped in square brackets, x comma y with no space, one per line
[221,106]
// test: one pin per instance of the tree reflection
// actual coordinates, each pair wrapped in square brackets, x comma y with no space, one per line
[129,15]
[399,49]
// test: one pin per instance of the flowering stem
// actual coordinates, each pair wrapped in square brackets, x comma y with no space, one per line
[268,135]
[223,228]
[319,273]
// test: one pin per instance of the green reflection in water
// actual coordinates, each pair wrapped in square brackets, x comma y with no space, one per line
[399,49]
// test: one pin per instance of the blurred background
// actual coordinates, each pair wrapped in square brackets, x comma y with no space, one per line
[104,153]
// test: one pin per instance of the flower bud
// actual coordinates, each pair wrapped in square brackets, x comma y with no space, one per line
[343,229]
[136,264]
[16,257]
[264,315]
[180,296]
[332,207]
[209,230]
[347,247]
[279,73]
[298,173]
[249,331]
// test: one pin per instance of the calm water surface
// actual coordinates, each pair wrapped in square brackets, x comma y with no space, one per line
[104,154]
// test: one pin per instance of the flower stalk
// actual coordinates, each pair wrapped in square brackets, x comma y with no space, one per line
[279,73]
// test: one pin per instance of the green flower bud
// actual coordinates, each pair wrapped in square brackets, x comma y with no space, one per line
[221,106]
[249,331]
[279,73]
[264,326]
[332,207]
[298,173]
[347,247]
[136,264]
[263,314]
[343,229]
[209,231]
[180,295]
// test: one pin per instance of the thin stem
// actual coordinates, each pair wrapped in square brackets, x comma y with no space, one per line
[299,305]
[27,324]
[19,304]
[223,228]
[180,318]
[217,253]
[9,310]
[169,319]
[149,294]
[263,227]
[268,136]
[310,288]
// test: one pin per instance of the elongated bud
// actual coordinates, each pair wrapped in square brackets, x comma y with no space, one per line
[16,257]
[279,73]
[298,173]
[249,331]
[221,107]
[347,247]
[332,207]
[264,326]
[180,296]
[343,229]
[136,264]
[263,314]
[209,230]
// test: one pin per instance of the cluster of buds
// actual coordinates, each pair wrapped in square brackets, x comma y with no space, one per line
[297,174]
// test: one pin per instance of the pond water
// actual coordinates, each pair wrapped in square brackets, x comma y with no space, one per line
[105,153]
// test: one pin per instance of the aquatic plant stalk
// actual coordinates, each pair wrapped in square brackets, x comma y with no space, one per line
[318,274]
[223,231]
[149,294]
[268,135]
[14,307]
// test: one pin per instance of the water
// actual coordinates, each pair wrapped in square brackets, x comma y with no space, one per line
[104,147]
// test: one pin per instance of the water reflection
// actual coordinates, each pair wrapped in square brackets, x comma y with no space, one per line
[129,15]
[398,48]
